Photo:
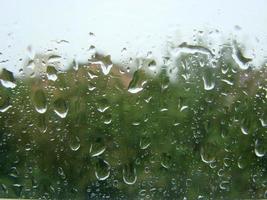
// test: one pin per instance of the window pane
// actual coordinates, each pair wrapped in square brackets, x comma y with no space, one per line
[133,99]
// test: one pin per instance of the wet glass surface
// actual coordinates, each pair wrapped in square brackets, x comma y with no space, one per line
[126,100]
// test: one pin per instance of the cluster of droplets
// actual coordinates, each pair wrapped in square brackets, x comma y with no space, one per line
[170,124]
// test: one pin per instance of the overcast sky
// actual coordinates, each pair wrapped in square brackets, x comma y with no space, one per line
[137,25]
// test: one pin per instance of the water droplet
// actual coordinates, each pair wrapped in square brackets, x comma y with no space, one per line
[259,148]
[54,58]
[192,49]
[241,162]
[123,51]
[129,174]
[244,130]
[61,107]
[237,27]
[98,147]
[102,169]
[152,65]
[51,73]
[61,172]
[144,142]
[92,51]
[39,101]
[41,123]
[142,193]
[105,63]
[263,122]
[7,78]
[136,85]
[102,104]
[239,57]
[75,143]
[107,119]
[4,103]
[208,79]
[75,65]
[224,185]
[207,153]
[165,160]
[227,82]
[245,124]
[62,41]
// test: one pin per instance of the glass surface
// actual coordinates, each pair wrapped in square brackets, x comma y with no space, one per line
[133,99]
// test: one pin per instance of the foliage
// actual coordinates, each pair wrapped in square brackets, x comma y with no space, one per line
[199,136]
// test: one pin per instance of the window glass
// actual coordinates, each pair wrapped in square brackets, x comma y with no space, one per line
[126,99]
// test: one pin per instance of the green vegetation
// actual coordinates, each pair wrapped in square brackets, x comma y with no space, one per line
[85,136]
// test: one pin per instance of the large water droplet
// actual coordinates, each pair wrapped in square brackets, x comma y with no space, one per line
[191,49]
[245,125]
[51,73]
[75,65]
[41,123]
[165,160]
[207,153]
[260,148]
[102,104]
[39,101]
[129,174]
[263,122]
[239,58]
[244,130]
[144,142]
[92,51]
[75,143]
[54,58]
[224,185]
[136,85]
[4,103]
[61,107]
[98,147]
[102,169]
[241,162]
[105,63]
[208,79]
[7,78]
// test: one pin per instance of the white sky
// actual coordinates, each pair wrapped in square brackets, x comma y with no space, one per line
[138,25]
